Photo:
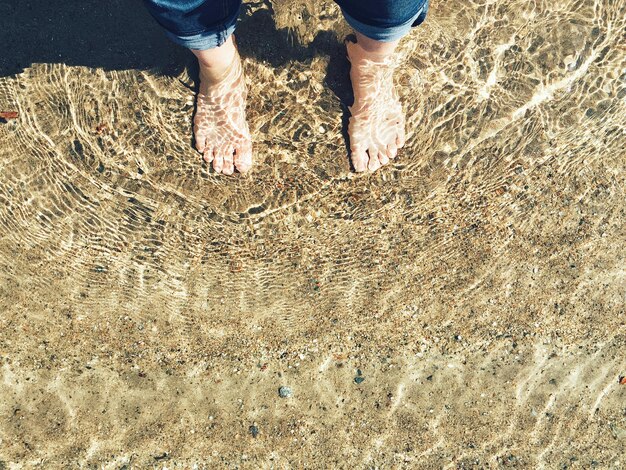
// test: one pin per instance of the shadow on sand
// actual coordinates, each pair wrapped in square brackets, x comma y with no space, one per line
[121,35]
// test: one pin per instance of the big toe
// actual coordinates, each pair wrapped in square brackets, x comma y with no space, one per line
[201,143]
[243,158]
[359,159]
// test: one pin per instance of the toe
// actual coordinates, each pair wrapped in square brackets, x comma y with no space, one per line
[359,159]
[227,152]
[207,154]
[243,158]
[218,161]
[400,137]
[382,157]
[200,142]
[200,136]
[374,163]
[392,151]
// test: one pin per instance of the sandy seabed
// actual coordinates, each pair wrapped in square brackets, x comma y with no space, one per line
[463,307]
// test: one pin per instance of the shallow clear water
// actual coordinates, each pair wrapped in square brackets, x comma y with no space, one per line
[133,276]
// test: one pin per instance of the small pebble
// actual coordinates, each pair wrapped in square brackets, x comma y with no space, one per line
[358,380]
[254,431]
[321,129]
[284,392]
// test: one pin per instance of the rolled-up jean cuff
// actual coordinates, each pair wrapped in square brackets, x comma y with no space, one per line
[383,33]
[210,38]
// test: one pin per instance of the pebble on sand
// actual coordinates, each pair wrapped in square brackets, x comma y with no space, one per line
[284,392]
[254,431]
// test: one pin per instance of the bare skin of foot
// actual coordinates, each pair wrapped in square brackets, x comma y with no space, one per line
[376,125]
[220,127]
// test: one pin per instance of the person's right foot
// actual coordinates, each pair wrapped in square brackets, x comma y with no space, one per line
[220,127]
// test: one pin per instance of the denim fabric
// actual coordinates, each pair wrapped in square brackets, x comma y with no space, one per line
[204,24]
[384,21]
[196,24]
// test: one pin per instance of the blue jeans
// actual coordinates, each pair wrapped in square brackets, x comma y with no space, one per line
[204,24]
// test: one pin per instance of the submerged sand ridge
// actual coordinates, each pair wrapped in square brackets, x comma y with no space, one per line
[152,309]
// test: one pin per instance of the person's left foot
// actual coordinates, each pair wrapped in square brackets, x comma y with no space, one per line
[376,127]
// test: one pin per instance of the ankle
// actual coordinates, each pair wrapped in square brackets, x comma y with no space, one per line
[374,50]
[215,72]
[216,62]
[359,57]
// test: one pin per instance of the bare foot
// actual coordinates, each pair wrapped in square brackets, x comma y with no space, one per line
[220,126]
[376,127]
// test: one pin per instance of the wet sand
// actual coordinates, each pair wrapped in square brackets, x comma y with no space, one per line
[462,307]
